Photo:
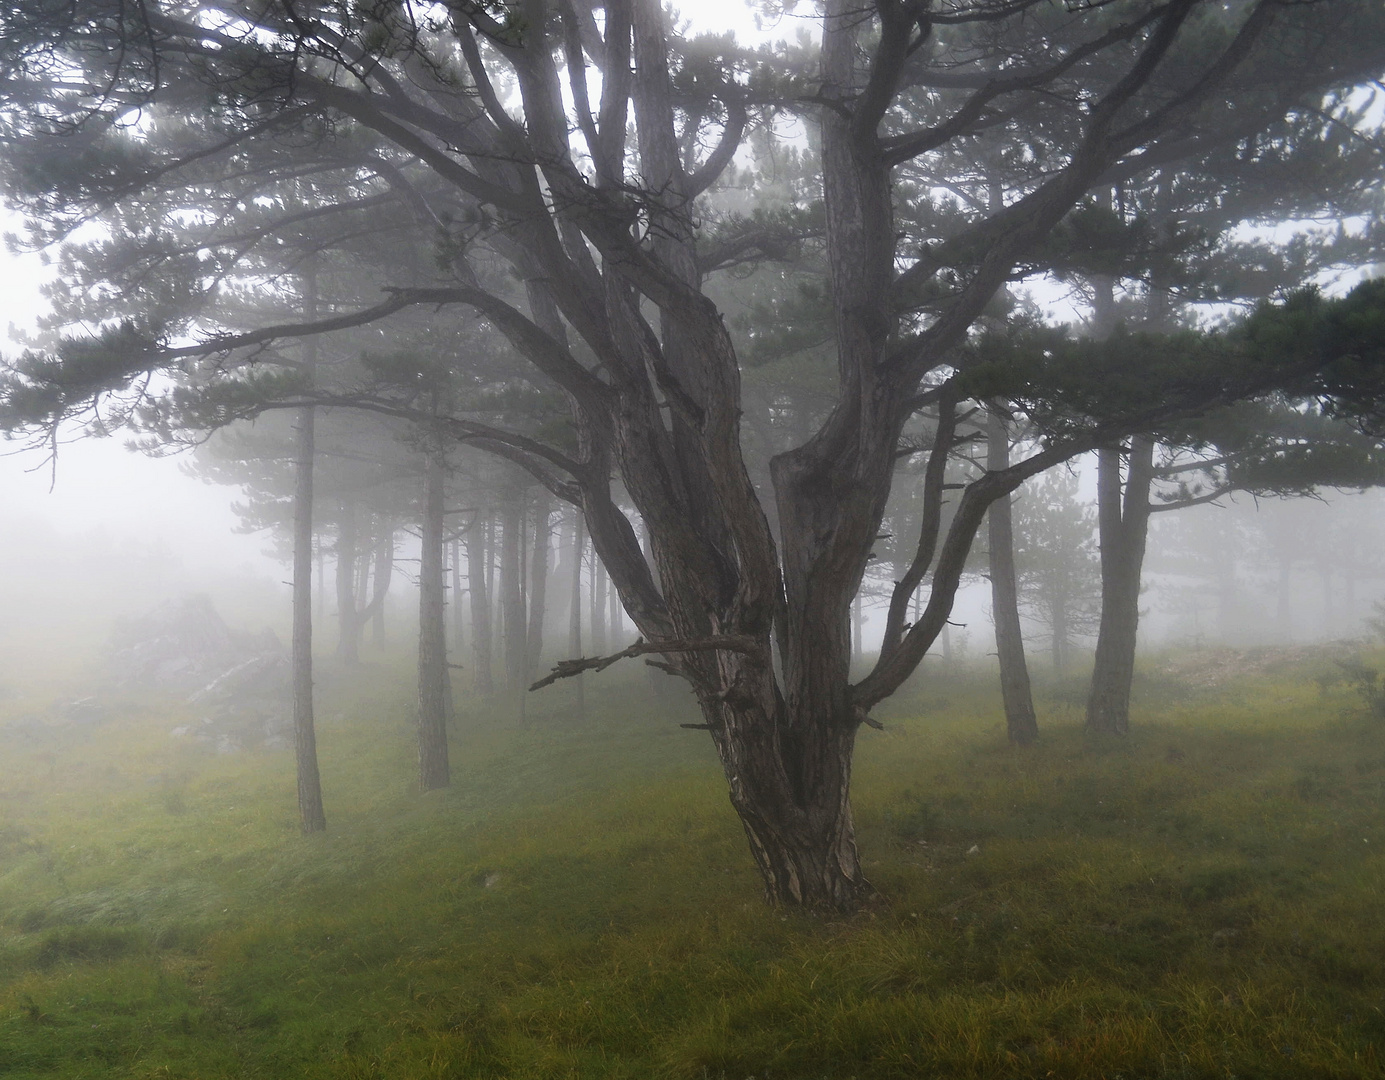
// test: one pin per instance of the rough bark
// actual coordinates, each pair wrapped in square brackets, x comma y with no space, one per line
[1021,725]
[433,695]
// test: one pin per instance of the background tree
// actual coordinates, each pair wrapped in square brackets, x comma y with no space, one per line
[603,291]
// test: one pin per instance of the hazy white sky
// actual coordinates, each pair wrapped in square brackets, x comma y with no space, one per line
[99,483]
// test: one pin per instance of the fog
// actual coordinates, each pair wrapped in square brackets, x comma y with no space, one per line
[581,540]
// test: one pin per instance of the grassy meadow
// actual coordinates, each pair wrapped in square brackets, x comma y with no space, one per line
[1201,900]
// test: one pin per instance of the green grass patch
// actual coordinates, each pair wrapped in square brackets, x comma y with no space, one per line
[1199,900]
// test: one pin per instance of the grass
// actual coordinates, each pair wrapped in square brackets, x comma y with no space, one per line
[1200,900]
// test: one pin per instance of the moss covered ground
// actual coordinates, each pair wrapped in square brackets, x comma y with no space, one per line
[1202,899]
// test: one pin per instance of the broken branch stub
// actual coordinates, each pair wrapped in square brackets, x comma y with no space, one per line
[565,669]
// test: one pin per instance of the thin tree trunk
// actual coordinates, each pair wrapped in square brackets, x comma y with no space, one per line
[364,565]
[310,811]
[348,621]
[615,630]
[384,575]
[1122,531]
[512,594]
[598,605]
[1123,527]
[432,633]
[1021,725]
[538,583]
[458,612]
[574,623]
[477,558]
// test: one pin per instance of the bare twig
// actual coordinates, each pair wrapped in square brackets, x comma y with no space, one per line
[730,642]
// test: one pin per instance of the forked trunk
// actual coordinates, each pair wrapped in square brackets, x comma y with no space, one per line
[790,785]
[1123,526]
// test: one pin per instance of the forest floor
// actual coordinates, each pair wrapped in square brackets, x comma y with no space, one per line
[1202,899]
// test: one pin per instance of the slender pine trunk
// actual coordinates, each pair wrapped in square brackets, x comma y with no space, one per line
[458,612]
[512,594]
[538,583]
[348,621]
[598,605]
[574,624]
[311,815]
[432,633]
[1021,725]
[1123,527]
[477,560]
[384,576]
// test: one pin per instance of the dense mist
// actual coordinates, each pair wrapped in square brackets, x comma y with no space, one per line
[576,539]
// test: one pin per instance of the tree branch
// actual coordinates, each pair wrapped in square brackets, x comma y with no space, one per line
[565,669]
